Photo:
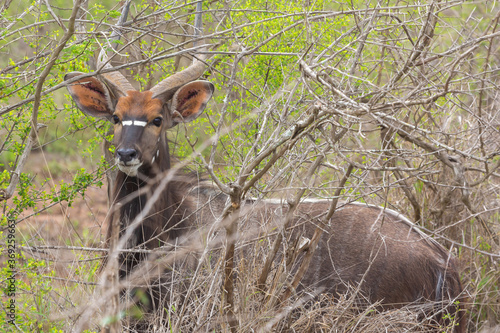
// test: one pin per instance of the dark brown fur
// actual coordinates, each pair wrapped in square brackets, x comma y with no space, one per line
[362,246]
[378,250]
[167,219]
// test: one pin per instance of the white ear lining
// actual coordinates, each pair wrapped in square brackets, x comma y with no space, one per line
[87,107]
[200,86]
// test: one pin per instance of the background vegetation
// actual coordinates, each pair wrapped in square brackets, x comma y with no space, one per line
[404,92]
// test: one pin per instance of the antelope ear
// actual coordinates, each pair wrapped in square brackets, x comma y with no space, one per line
[190,100]
[91,96]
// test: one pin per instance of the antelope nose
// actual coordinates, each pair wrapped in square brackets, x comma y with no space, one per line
[126,155]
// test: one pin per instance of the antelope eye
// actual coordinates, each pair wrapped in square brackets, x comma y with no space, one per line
[115,118]
[157,121]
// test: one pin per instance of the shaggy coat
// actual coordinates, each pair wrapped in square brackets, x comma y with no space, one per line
[362,247]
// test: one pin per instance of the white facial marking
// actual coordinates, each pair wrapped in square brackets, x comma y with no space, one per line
[134,123]
[130,168]
[154,157]
[140,123]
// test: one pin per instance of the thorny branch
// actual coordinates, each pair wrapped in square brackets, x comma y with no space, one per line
[420,135]
[32,137]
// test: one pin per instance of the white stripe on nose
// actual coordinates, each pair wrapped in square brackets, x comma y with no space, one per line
[140,123]
[134,123]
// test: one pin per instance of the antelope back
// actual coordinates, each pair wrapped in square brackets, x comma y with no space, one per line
[371,248]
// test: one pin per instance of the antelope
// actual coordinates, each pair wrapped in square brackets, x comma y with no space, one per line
[376,249]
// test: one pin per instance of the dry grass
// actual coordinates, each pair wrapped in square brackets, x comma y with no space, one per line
[406,95]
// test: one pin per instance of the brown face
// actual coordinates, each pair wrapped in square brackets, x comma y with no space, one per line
[139,121]
[139,118]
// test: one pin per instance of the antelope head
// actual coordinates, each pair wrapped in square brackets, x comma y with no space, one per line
[141,118]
